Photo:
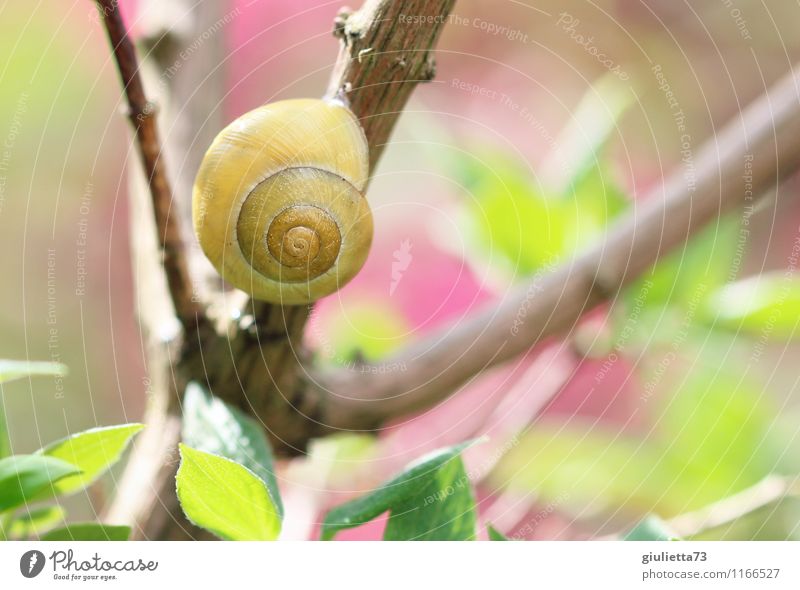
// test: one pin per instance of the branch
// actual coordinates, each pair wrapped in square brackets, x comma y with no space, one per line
[188,100]
[141,113]
[385,53]
[255,361]
[766,135]
[382,58]
[768,492]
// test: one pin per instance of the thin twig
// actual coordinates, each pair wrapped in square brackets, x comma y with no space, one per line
[763,140]
[768,492]
[141,113]
[188,106]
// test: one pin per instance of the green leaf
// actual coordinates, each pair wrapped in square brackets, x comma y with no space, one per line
[213,426]
[581,468]
[715,424]
[11,370]
[651,528]
[508,223]
[92,451]
[5,442]
[576,150]
[362,329]
[431,500]
[512,225]
[23,477]
[495,535]
[690,274]
[225,498]
[441,509]
[595,200]
[32,522]
[713,434]
[767,305]
[89,531]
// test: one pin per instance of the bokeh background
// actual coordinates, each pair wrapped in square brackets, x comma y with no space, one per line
[517,155]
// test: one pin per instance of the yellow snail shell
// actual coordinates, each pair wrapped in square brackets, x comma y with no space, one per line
[278,204]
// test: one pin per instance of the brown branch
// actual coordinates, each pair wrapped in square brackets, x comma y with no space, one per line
[141,113]
[187,98]
[255,361]
[384,54]
[768,132]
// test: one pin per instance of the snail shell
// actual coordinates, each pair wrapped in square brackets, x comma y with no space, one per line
[278,204]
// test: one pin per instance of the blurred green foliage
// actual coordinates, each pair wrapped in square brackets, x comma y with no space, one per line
[524,222]
[88,531]
[689,275]
[651,528]
[766,306]
[513,225]
[59,469]
[361,330]
[711,435]
[711,429]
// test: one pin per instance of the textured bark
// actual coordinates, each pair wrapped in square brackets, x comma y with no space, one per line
[141,113]
[379,66]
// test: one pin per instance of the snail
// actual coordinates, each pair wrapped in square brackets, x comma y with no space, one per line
[278,204]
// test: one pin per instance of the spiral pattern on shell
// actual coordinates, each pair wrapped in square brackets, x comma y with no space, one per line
[278,205]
